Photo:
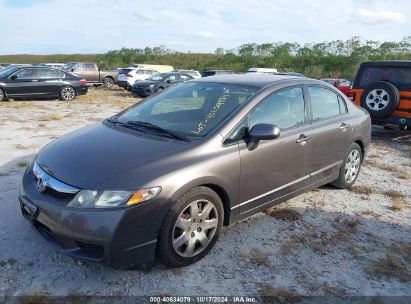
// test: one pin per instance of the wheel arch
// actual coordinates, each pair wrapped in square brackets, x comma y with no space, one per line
[225,199]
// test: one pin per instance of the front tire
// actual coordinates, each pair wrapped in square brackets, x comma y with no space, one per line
[350,168]
[191,227]
[2,95]
[108,82]
[67,93]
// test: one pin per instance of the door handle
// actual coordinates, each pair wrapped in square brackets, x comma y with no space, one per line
[34,80]
[344,126]
[302,139]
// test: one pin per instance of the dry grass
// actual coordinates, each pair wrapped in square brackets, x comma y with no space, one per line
[37,297]
[284,214]
[50,117]
[393,194]
[404,175]
[22,163]
[407,149]
[258,257]
[363,190]
[385,167]
[368,213]
[406,164]
[398,205]
[269,294]
[21,147]
[389,267]
[41,125]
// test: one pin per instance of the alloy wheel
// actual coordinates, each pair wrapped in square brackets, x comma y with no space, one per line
[68,93]
[194,228]
[377,99]
[352,166]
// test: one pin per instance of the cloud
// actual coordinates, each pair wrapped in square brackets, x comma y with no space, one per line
[199,26]
[371,17]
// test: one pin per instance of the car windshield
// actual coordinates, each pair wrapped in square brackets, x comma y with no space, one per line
[190,109]
[8,71]
[68,66]
[157,77]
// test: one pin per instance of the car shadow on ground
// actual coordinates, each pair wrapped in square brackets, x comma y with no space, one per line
[314,252]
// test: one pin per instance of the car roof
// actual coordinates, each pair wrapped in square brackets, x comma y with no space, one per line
[388,63]
[254,80]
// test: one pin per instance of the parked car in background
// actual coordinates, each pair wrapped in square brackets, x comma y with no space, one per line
[216,72]
[50,65]
[157,83]
[291,74]
[269,71]
[91,72]
[39,82]
[3,66]
[193,73]
[158,67]
[164,176]
[343,85]
[128,76]
[383,88]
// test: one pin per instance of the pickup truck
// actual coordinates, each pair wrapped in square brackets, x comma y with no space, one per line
[91,72]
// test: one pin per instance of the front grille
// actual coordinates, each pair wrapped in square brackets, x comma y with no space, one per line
[59,195]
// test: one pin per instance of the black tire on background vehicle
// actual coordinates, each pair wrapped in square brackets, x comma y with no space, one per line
[350,168]
[190,228]
[2,95]
[108,82]
[67,93]
[380,99]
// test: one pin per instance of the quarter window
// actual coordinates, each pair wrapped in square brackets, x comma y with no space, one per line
[284,109]
[324,103]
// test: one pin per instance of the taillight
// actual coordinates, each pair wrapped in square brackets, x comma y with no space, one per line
[129,75]
[351,96]
[83,82]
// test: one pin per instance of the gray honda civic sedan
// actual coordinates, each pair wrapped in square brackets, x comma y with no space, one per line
[162,177]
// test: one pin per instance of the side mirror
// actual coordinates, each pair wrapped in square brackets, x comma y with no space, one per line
[168,81]
[14,77]
[73,70]
[264,132]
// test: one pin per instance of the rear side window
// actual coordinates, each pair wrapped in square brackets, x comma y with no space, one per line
[324,103]
[399,76]
[46,73]
[284,109]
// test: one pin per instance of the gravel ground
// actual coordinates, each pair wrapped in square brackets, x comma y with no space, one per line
[325,242]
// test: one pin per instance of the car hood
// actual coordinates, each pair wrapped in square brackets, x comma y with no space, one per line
[101,157]
[144,83]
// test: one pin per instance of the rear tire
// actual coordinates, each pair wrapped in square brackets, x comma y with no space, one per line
[67,93]
[350,168]
[380,99]
[190,228]
[108,82]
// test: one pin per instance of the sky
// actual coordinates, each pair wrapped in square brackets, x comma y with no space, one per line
[96,26]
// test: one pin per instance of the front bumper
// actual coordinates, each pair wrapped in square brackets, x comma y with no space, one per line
[120,237]
[142,91]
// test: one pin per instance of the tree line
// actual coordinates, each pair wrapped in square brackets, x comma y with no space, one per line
[326,59]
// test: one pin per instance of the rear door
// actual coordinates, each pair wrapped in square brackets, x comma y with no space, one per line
[276,167]
[331,131]
[50,81]
[23,82]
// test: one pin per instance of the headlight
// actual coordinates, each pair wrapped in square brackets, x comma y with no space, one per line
[104,199]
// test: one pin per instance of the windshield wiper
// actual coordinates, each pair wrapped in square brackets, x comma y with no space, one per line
[151,126]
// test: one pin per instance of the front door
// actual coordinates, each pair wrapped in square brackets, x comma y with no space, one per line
[23,82]
[276,167]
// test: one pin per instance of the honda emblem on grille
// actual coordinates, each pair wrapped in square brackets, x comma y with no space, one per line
[41,186]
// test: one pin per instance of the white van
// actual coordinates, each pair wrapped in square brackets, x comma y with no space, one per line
[158,67]
[261,71]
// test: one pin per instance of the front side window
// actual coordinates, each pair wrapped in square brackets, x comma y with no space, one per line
[284,109]
[26,74]
[192,108]
[324,103]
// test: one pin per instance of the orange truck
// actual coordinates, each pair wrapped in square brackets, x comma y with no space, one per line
[383,88]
